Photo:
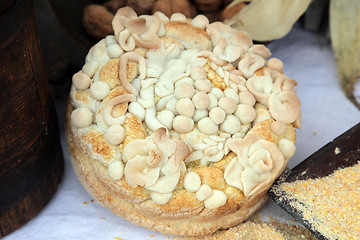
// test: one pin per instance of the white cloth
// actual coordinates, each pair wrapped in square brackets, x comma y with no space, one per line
[326,113]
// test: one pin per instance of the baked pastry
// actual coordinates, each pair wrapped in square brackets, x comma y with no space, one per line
[179,125]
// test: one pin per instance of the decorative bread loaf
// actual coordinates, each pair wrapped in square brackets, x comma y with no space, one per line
[179,125]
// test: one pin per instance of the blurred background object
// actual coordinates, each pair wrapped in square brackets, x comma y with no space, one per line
[31,161]
[265,20]
[68,28]
[345,40]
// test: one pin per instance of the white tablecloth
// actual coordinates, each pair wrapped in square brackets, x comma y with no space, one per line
[326,113]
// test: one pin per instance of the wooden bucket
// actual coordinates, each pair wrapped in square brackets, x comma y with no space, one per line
[31,162]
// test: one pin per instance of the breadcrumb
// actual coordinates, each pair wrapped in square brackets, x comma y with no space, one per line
[255,229]
[331,204]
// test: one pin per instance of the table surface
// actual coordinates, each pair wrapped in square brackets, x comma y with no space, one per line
[326,113]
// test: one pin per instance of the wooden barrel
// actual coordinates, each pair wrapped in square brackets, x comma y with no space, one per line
[31,162]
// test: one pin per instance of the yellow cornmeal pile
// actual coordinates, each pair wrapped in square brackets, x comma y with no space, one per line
[255,229]
[332,203]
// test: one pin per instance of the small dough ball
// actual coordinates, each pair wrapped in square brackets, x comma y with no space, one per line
[218,92]
[245,97]
[110,39]
[228,104]
[216,200]
[197,72]
[230,93]
[231,125]
[217,115]
[115,134]
[184,90]
[192,182]
[160,198]
[245,113]
[185,107]
[279,128]
[200,114]
[207,126]
[183,124]
[116,170]
[204,192]
[114,51]
[200,21]
[201,100]
[287,148]
[178,17]
[81,81]
[99,90]
[213,101]
[166,117]
[184,80]
[203,85]
[81,117]
[90,68]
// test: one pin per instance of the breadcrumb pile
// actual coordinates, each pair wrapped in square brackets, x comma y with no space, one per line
[330,204]
[256,228]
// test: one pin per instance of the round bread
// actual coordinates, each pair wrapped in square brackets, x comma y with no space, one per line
[180,125]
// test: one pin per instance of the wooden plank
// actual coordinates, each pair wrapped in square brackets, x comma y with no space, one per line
[31,163]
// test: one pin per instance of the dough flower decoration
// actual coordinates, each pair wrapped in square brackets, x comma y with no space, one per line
[131,30]
[278,95]
[155,162]
[229,44]
[257,163]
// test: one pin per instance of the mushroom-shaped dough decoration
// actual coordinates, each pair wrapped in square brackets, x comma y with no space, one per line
[257,164]
[145,157]
[260,87]
[284,106]
[154,162]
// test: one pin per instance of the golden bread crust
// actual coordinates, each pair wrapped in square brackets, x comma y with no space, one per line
[187,33]
[184,214]
[134,206]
